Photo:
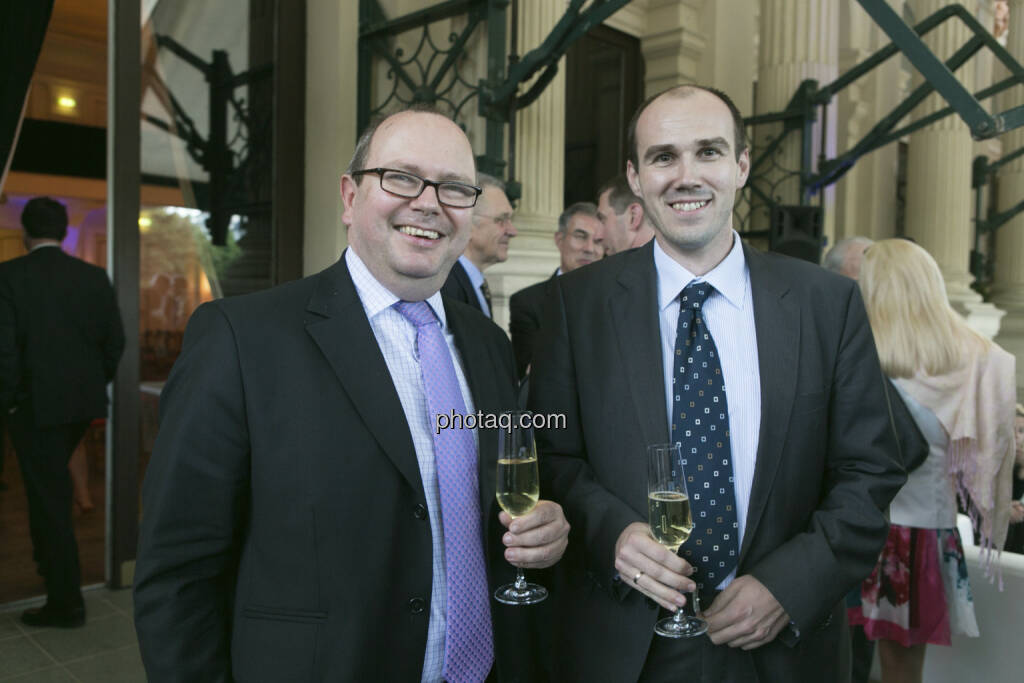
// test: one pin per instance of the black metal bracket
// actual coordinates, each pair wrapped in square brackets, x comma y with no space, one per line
[227,160]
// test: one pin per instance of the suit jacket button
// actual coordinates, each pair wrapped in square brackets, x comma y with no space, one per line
[420,511]
[417,605]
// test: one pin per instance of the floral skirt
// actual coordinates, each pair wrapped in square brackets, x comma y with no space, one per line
[918,592]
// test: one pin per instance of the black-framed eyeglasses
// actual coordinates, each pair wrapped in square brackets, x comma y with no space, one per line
[409,185]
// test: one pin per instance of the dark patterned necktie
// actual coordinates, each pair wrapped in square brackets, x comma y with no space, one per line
[486,291]
[700,422]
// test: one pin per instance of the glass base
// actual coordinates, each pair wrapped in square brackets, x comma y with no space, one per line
[527,594]
[681,627]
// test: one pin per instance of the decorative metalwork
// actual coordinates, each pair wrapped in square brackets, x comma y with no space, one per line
[434,74]
[233,163]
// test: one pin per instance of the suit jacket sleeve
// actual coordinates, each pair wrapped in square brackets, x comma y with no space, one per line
[194,501]
[913,446]
[523,326]
[597,515]
[113,343]
[812,571]
[10,361]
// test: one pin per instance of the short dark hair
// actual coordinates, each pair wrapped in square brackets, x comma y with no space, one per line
[45,218]
[739,130]
[362,151]
[585,208]
[620,195]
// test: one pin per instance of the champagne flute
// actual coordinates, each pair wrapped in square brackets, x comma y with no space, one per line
[518,490]
[668,507]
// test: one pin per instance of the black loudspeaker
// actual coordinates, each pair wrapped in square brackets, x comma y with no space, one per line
[797,231]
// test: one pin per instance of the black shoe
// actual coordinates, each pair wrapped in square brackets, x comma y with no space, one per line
[72,617]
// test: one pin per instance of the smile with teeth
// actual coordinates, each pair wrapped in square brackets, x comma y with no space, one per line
[419,232]
[690,206]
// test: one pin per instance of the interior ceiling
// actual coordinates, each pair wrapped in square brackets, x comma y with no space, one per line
[201,27]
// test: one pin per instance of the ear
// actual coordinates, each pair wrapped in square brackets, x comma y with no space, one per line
[633,178]
[636,216]
[348,197]
[744,168]
[559,238]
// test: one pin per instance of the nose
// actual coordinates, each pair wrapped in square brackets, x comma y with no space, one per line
[427,202]
[511,230]
[686,174]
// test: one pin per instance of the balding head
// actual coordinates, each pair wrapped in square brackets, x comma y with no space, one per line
[846,256]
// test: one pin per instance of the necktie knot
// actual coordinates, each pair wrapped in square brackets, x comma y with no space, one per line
[695,294]
[419,313]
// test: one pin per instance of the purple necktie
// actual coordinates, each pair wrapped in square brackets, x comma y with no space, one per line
[468,641]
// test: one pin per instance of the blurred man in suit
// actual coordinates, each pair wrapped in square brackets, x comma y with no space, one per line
[60,341]
[488,244]
[846,255]
[622,214]
[580,241]
[305,518]
[764,369]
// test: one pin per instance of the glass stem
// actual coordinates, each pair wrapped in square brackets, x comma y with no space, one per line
[520,584]
[678,616]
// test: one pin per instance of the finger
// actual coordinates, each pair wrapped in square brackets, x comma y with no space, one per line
[648,582]
[535,558]
[544,512]
[630,557]
[505,518]
[537,536]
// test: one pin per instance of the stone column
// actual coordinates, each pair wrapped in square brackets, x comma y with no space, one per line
[866,195]
[540,167]
[672,43]
[1008,288]
[939,198]
[799,41]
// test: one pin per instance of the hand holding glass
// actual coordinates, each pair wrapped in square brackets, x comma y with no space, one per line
[518,489]
[668,507]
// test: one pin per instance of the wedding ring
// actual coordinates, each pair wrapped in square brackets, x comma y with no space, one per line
[637,577]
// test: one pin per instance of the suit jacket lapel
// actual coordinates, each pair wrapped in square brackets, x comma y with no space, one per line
[339,326]
[633,311]
[777,323]
[480,375]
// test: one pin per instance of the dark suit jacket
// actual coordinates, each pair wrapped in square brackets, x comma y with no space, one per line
[826,462]
[285,534]
[526,308]
[60,337]
[459,287]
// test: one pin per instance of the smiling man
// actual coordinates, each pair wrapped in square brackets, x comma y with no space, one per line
[304,520]
[488,244]
[764,369]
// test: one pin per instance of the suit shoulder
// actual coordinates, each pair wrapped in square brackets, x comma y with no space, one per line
[801,274]
[531,293]
[291,296]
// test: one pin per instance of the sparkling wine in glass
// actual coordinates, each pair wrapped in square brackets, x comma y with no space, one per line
[518,490]
[668,507]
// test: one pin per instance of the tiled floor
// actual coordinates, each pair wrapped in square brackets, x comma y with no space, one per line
[102,651]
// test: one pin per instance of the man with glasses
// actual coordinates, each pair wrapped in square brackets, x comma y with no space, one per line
[580,241]
[488,244]
[304,519]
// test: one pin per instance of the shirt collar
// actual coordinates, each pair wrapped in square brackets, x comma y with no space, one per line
[729,277]
[376,297]
[475,276]
[44,246]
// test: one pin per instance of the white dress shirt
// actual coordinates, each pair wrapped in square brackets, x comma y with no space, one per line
[396,338]
[729,314]
[476,278]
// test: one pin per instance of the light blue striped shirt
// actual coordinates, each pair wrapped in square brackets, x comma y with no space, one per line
[396,338]
[729,314]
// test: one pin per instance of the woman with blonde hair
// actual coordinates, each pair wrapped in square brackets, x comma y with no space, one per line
[960,389]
